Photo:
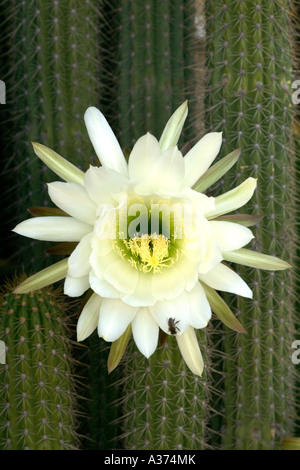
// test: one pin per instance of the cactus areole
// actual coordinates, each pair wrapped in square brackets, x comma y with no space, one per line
[150,244]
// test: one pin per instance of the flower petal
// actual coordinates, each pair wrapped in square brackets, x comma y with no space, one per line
[104,141]
[114,318]
[230,236]
[168,284]
[168,171]
[200,311]
[233,199]
[201,156]
[53,229]
[73,199]
[166,174]
[190,351]
[145,332]
[76,286]
[122,276]
[88,320]
[144,154]
[79,259]
[225,279]
[102,287]
[177,308]
[142,295]
[102,184]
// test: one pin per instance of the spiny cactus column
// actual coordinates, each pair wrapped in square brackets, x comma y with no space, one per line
[249,99]
[165,405]
[152,65]
[37,404]
[54,75]
[99,407]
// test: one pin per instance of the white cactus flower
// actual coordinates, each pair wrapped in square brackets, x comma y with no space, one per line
[149,245]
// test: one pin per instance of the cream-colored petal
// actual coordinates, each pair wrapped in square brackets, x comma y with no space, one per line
[188,267]
[168,171]
[177,309]
[168,284]
[104,141]
[76,286]
[201,156]
[142,295]
[145,332]
[211,258]
[89,317]
[144,154]
[225,279]
[166,174]
[200,201]
[230,236]
[73,199]
[122,276]
[190,351]
[53,229]
[99,261]
[79,264]
[102,287]
[114,318]
[102,184]
[200,311]
[234,199]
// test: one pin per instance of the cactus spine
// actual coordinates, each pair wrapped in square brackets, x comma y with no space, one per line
[249,99]
[37,404]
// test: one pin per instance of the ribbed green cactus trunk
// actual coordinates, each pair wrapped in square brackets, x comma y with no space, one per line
[249,70]
[153,66]
[37,391]
[54,70]
[166,407]
[99,428]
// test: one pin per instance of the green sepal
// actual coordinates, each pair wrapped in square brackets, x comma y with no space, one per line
[65,248]
[43,278]
[46,212]
[173,128]
[64,169]
[215,172]
[221,309]
[117,350]
[254,259]
[247,220]
[291,443]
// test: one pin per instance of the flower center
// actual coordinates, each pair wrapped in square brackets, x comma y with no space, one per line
[151,242]
[148,252]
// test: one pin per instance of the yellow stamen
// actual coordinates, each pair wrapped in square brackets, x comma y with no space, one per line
[153,251]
